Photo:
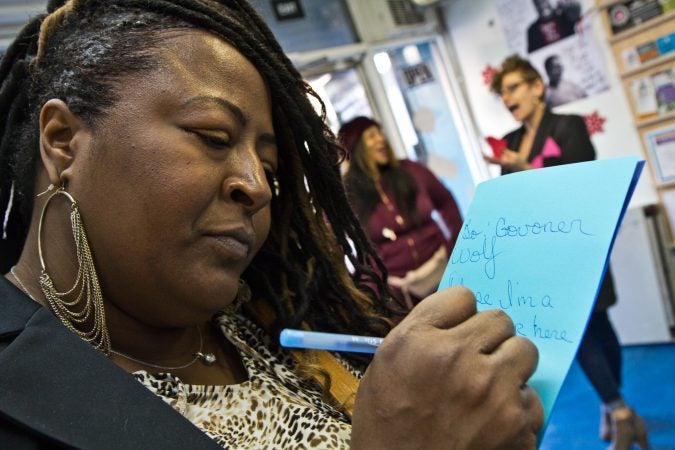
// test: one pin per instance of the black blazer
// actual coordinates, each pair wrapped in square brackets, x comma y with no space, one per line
[568,131]
[57,391]
[571,135]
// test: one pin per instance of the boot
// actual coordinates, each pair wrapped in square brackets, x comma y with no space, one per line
[627,428]
[605,423]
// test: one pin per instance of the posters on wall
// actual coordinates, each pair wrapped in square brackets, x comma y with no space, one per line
[557,40]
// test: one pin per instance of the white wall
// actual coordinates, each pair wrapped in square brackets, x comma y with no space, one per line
[478,40]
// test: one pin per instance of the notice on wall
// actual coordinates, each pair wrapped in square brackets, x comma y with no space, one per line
[661,144]
[536,244]
[557,39]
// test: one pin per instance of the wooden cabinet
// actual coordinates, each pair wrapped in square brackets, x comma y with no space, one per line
[641,34]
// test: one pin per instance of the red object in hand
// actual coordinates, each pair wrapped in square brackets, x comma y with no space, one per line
[498,146]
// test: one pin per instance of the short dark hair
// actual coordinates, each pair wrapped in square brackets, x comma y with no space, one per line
[514,63]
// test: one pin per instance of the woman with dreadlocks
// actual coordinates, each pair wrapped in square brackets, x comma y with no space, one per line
[159,157]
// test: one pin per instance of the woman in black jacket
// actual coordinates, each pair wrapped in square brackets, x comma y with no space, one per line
[546,139]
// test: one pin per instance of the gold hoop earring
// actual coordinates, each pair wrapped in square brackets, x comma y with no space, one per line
[65,305]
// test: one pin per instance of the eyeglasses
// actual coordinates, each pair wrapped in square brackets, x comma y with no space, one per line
[511,88]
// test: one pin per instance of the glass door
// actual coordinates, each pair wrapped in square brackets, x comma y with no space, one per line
[344,95]
[408,88]
[428,116]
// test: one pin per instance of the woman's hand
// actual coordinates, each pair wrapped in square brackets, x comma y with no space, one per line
[449,378]
[509,160]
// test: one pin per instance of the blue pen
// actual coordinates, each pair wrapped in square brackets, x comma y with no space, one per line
[329,341]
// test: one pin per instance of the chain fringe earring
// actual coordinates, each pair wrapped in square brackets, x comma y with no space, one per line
[67,305]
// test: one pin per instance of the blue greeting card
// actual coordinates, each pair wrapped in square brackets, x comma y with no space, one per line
[536,244]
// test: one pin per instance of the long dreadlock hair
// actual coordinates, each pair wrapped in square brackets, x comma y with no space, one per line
[80,48]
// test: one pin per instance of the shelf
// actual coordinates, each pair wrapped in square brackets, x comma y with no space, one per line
[604,4]
[637,29]
[654,120]
[669,185]
[649,65]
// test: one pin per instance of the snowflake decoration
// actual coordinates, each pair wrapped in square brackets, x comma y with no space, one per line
[488,73]
[594,123]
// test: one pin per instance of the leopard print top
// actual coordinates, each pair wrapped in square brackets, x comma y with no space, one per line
[273,409]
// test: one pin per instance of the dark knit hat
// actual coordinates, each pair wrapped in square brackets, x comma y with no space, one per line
[350,133]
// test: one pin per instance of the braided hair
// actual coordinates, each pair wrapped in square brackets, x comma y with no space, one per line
[80,48]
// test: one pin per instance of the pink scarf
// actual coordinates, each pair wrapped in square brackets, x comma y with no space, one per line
[550,150]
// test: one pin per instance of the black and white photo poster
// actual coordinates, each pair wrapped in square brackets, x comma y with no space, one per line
[558,41]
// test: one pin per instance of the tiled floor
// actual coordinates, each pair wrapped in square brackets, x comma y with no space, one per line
[649,387]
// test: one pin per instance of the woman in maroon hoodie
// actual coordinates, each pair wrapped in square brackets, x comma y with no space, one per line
[394,200]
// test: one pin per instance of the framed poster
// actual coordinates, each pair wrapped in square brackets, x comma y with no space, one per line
[661,145]
[559,42]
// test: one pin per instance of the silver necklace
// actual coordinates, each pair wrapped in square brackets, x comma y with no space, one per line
[206,358]
[23,286]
